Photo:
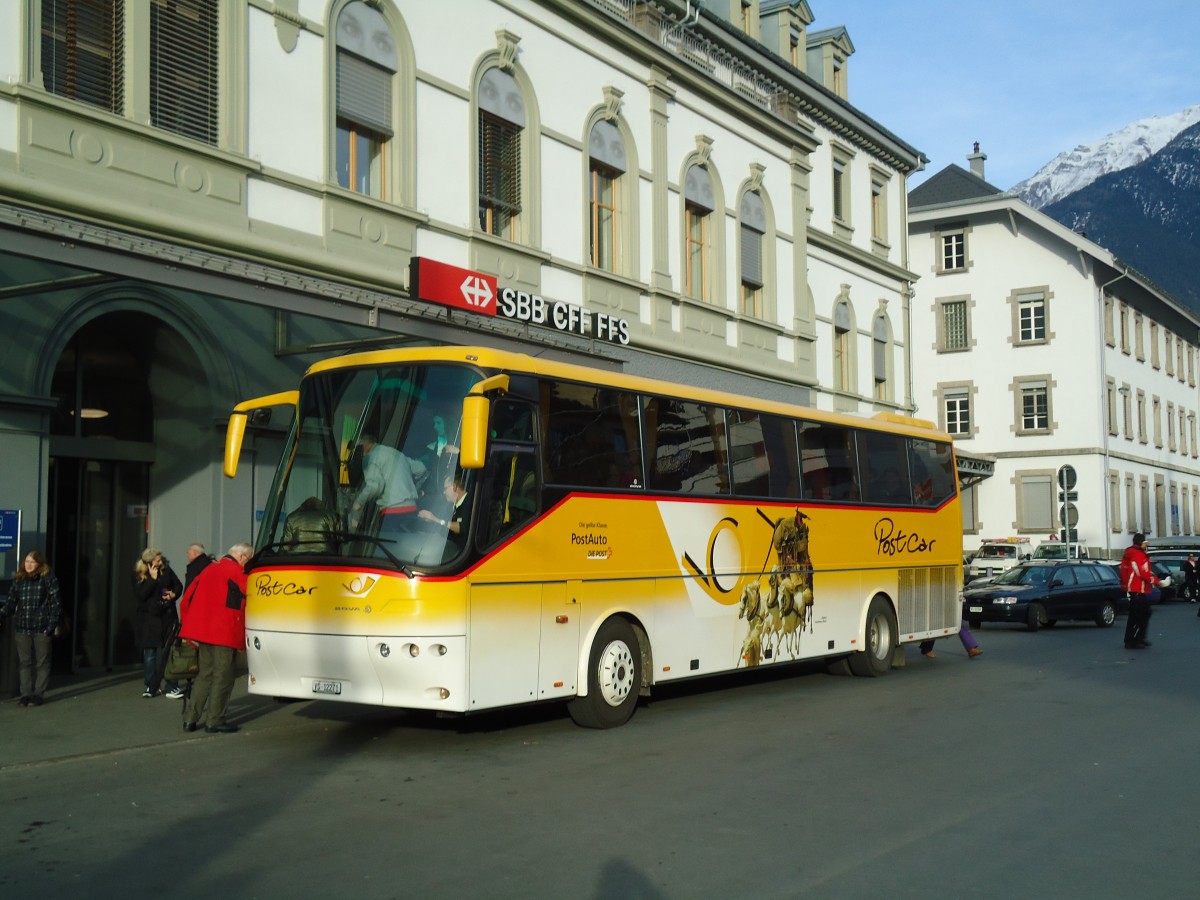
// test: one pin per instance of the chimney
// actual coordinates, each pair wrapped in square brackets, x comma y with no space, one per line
[977,160]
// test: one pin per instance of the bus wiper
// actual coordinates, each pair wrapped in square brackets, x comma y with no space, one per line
[346,536]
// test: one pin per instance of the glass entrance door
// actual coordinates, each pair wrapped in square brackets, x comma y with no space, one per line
[97,531]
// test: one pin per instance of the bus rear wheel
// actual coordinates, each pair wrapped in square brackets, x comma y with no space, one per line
[876,658]
[614,678]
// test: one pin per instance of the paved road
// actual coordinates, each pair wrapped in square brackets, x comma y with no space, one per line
[1056,765]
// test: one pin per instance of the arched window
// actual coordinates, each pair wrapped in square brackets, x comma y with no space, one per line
[501,121]
[843,335]
[698,209]
[366,66]
[606,151]
[753,226]
[879,356]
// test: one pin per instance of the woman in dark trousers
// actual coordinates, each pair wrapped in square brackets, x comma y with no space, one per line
[155,587]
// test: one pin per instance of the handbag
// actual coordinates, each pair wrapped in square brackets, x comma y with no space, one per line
[183,661]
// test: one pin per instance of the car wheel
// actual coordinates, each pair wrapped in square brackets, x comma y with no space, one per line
[1107,614]
[1037,615]
[614,678]
[1050,623]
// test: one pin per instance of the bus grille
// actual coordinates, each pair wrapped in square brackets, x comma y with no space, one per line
[928,599]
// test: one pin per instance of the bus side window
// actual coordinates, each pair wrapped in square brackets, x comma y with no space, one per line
[828,461]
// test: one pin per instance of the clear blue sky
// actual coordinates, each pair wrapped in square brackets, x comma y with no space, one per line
[1028,79]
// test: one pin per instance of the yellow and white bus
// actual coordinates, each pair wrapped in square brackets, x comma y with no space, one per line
[615,533]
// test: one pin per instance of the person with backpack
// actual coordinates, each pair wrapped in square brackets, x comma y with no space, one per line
[1138,579]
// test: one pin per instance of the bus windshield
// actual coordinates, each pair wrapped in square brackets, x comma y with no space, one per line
[370,468]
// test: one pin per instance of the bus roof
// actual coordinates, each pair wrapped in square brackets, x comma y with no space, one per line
[497,361]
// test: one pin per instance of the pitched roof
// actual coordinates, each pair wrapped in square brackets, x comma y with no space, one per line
[952,184]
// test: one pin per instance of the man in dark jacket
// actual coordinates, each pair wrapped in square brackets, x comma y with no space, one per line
[214,617]
[198,558]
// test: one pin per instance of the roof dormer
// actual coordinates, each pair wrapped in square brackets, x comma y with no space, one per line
[829,52]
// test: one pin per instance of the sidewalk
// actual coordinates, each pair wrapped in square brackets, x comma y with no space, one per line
[84,715]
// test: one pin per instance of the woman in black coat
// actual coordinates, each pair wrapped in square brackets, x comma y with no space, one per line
[155,587]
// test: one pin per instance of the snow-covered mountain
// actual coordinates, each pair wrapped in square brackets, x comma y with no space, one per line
[1069,172]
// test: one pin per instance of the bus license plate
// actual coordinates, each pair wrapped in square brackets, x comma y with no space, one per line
[973,609]
[327,687]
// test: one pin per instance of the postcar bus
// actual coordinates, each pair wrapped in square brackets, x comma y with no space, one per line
[615,533]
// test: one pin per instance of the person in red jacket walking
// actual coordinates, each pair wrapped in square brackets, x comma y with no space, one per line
[213,615]
[1137,578]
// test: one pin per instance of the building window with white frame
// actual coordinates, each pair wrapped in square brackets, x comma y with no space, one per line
[607,164]
[1179,372]
[1141,416]
[1183,444]
[753,217]
[953,251]
[1131,523]
[1031,318]
[1154,344]
[1109,332]
[1033,406]
[698,213]
[1169,353]
[957,412]
[1139,344]
[839,191]
[366,68]
[1192,435]
[1125,329]
[1156,415]
[501,125]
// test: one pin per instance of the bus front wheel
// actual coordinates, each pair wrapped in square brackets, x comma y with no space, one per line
[614,678]
[876,658]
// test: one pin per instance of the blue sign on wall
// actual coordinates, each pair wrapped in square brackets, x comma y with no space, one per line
[10,528]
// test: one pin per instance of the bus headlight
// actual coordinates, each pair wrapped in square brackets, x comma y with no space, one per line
[385,651]
[414,651]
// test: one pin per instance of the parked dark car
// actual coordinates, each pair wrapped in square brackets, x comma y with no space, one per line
[1039,592]
[1172,562]
[1168,583]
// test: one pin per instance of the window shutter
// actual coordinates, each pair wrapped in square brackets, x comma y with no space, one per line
[697,188]
[364,93]
[841,317]
[499,169]
[500,96]
[83,51]
[606,146]
[754,225]
[183,67]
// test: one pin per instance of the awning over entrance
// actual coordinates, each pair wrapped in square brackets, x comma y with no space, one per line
[973,468]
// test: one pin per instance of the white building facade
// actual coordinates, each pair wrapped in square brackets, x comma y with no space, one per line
[199,198]
[1040,350]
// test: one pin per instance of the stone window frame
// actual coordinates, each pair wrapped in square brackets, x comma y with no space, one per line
[1017,387]
[939,312]
[945,390]
[1025,294]
[841,203]
[940,235]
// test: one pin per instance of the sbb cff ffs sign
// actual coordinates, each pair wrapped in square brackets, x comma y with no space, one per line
[476,292]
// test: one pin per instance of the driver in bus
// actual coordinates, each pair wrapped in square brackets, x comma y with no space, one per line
[452,510]
[391,480]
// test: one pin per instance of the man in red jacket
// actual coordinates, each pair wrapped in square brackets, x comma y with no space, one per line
[213,615]
[1137,578]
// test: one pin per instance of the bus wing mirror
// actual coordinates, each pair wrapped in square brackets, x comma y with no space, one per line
[472,448]
[258,413]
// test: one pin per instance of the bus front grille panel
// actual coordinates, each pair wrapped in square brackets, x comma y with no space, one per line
[927,599]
